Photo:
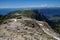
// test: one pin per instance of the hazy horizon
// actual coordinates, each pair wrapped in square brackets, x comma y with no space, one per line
[29,3]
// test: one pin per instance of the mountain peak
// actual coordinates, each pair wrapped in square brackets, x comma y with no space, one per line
[24,25]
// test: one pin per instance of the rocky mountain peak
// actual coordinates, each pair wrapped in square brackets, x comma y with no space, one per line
[24,25]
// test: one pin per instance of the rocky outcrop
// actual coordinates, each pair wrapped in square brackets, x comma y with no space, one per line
[24,25]
[22,29]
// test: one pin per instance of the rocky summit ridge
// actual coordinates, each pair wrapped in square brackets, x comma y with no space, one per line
[20,26]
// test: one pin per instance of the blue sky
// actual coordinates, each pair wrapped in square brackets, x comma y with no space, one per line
[29,3]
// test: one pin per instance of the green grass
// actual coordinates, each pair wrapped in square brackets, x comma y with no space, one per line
[57,28]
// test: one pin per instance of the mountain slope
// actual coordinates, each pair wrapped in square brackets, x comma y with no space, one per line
[22,29]
[36,14]
[24,25]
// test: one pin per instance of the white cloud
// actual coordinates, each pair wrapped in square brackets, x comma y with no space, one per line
[43,5]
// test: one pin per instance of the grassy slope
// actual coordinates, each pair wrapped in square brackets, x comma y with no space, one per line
[24,13]
[57,23]
[57,28]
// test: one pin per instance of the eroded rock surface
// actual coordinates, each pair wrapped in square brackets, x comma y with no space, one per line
[19,29]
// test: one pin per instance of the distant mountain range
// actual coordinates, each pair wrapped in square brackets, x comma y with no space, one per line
[56,15]
[45,11]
